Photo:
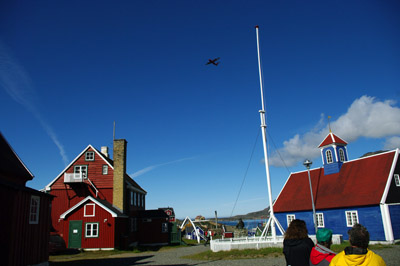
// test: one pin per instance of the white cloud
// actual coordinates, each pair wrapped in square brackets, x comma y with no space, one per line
[366,117]
[392,143]
[16,82]
[152,167]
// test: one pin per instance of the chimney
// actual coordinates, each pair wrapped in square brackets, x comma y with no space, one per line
[104,151]
[119,157]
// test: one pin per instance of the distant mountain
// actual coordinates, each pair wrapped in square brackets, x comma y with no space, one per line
[372,153]
[251,215]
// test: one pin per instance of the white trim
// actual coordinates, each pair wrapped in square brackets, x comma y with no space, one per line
[389,178]
[387,223]
[323,219]
[113,214]
[94,210]
[36,213]
[336,153]
[352,222]
[91,230]
[72,162]
[396,178]
[89,159]
[331,156]
[290,216]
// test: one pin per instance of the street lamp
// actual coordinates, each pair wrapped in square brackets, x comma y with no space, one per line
[307,163]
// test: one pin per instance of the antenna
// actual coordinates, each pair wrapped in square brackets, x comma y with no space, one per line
[114,131]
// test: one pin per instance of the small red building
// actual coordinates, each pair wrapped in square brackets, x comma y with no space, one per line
[97,205]
[25,218]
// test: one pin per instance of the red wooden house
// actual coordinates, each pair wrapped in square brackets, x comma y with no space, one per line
[25,217]
[97,205]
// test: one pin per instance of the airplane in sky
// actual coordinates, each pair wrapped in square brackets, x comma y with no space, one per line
[213,61]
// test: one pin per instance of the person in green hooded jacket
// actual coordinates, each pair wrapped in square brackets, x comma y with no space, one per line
[358,253]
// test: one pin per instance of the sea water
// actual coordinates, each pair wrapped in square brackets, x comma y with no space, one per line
[249,224]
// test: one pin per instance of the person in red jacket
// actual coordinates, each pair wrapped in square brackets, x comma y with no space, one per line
[321,255]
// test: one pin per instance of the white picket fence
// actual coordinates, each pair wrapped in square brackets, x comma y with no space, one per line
[256,242]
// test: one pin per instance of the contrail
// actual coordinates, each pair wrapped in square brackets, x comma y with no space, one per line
[16,82]
[152,167]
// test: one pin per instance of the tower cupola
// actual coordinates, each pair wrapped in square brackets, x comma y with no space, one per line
[334,153]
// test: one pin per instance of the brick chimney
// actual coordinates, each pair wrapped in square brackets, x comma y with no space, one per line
[119,174]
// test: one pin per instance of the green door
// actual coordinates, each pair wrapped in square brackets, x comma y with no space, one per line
[75,234]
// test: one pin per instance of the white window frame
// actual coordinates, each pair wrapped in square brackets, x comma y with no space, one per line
[351,218]
[396,180]
[89,230]
[81,169]
[341,155]
[105,169]
[320,220]
[290,218]
[329,156]
[34,210]
[89,156]
[94,208]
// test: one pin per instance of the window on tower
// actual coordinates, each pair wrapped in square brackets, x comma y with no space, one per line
[329,158]
[341,155]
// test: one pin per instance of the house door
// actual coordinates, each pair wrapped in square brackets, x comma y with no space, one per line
[75,234]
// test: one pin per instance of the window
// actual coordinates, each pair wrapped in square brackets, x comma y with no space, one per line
[131,198]
[34,210]
[89,156]
[329,158]
[80,169]
[142,200]
[89,210]
[290,218]
[341,155]
[92,230]
[320,220]
[139,198]
[397,180]
[164,228]
[105,169]
[351,218]
[134,198]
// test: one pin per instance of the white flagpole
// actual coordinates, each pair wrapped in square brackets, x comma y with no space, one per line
[272,218]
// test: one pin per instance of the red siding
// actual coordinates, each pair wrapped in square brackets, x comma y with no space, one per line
[23,243]
[65,199]
[106,228]
[95,173]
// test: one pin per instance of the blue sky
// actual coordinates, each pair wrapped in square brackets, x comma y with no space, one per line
[69,69]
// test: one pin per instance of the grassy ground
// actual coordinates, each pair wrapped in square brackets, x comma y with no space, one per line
[260,253]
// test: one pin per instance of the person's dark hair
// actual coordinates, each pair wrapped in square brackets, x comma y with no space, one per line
[297,230]
[359,236]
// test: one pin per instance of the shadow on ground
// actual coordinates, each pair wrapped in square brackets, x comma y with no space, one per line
[137,260]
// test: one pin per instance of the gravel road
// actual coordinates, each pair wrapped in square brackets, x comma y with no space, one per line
[173,257]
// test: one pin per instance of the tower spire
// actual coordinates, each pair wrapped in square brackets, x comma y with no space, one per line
[329,123]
